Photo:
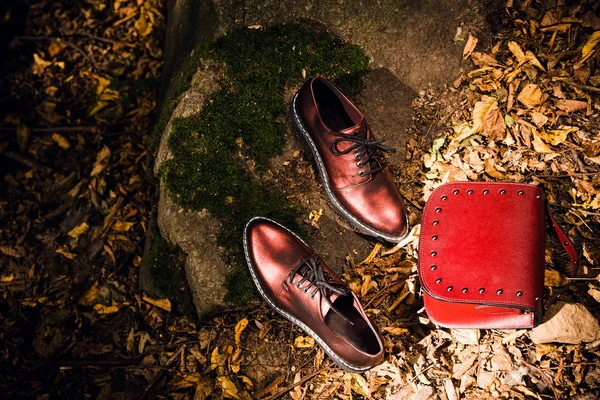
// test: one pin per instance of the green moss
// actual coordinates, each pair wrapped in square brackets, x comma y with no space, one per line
[246,114]
[165,263]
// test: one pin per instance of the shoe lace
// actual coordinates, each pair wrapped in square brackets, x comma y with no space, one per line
[310,270]
[367,146]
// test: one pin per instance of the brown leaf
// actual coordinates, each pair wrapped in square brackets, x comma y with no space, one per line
[484,60]
[571,105]
[61,141]
[531,96]
[469,46]
[553,278]
[493,125]
[491,170]
[102,159]
[16,251]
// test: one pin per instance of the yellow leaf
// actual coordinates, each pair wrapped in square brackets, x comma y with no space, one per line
[539,145]
[65,253]
[555,136]
[304,342]
[517,52]
[101,161]
[164,304]
[247,381]
[239,328]
[590,44]
[8,278]
[554,278]
[56,47]
[99,106]
[90,297]
[39,64]
[314,216]
[122,226]
[61,141]
[228,387]
[217,359]
[144,24]
[371,255]
[104,310]
[79,230]
[392,330]
[469,46]
[531,96]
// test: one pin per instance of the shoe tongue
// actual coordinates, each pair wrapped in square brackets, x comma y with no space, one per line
[359,129]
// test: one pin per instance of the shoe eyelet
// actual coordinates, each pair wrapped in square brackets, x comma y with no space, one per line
[502,191]
[486,191]
[304,290]
[455,191]
[359,164]
[444,198]
[465,290]
[433,267]
[298,285]
[469,191]
[521,192]
[361,173]
[357,156]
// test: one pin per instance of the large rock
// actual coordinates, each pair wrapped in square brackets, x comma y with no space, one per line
[411,44]
[566,323]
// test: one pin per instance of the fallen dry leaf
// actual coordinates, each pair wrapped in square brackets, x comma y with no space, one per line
[101,161]
[229,389]
[531,96]
[164,304]
[554,278]
[571,105]
[591,43]
[304,342]
[469,46]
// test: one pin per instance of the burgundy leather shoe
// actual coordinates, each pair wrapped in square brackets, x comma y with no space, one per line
[349,161]
[299,286]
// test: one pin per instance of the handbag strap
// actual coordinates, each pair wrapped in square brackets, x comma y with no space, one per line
[570,249]
[565,243]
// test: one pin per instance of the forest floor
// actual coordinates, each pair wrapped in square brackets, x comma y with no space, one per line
[78,100]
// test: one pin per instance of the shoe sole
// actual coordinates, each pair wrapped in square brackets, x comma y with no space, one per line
[341,363]
[301,130]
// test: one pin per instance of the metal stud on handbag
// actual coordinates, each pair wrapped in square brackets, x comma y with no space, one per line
[481,254]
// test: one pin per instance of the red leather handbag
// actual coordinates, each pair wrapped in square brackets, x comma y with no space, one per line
[481,255]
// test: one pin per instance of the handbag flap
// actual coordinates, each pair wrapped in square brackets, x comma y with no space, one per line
[484,243]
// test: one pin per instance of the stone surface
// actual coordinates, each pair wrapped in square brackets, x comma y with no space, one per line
[566,323]
[412,43]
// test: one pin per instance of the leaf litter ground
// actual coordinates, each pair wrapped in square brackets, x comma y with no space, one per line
[76,199]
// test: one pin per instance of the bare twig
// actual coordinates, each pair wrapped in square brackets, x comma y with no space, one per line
[301,381]
[584,212]
[30,163]
[588,88]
